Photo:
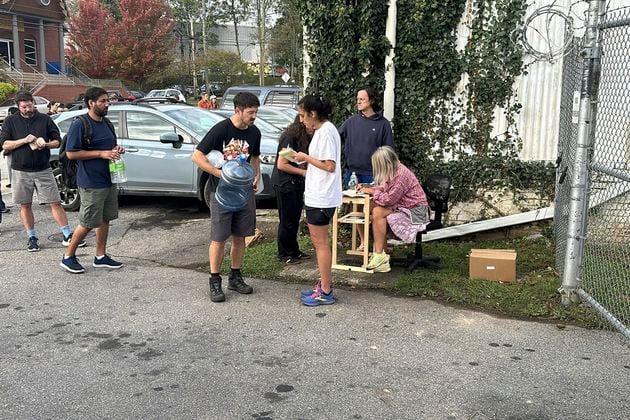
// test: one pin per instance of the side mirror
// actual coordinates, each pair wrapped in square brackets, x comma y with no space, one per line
[173,138]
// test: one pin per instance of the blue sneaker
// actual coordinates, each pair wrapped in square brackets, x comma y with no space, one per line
[33,244]
[319,298]
[106,262]
[71,264]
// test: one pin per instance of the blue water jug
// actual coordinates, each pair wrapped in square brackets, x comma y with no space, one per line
[235,185]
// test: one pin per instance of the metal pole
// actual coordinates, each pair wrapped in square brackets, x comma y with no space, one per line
[306,65]
[193,47]
[205,50]
[390,70]
[580,183]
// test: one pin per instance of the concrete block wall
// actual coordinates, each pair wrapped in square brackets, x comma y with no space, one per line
[495,204]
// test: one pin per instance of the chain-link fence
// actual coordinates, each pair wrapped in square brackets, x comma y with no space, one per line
[593,211]
[569,106]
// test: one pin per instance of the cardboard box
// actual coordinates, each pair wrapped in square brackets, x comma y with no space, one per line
[493,264]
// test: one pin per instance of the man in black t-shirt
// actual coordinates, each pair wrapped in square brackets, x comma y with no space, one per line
[233,136]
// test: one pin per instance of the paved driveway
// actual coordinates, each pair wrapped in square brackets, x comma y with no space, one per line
[146,342]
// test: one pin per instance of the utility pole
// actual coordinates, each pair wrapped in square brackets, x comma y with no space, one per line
[205,51]
[193,46]
[261,39]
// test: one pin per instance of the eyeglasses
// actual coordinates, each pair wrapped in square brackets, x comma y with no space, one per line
[26,106]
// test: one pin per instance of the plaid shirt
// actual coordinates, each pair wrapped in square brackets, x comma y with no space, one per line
[403,191]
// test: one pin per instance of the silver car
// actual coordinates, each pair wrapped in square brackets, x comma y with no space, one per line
[159,140]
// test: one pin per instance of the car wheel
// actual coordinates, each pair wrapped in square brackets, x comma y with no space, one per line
[70,199]
[206,193]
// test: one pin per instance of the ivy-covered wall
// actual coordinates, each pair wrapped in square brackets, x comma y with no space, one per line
[434,129]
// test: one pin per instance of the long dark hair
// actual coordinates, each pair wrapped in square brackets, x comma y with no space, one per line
[297,131]
[371,93]
[318,104]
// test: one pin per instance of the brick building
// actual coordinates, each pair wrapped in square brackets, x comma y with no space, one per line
[31,35]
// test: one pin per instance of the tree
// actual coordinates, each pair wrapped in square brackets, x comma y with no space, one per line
[235,12]
[285,42]
[225,67]
[143,39]
[263,8]
[87,47]
[137,44]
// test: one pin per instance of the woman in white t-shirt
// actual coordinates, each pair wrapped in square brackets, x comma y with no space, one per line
[322,193]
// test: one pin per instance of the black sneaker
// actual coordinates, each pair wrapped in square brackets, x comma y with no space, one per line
[236,283]
[33,244]
[216,292]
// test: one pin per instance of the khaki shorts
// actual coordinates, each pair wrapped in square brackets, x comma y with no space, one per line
[24,184]
[225,223]
[98,206]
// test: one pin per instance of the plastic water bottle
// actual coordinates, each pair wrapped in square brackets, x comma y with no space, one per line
[117,171]
[353,182]
[236,185]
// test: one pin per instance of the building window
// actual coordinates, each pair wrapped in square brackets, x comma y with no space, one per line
[30,52]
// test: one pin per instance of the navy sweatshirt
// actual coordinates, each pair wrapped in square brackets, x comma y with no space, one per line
[362,136]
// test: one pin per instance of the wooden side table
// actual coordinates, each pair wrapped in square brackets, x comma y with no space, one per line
[358,216]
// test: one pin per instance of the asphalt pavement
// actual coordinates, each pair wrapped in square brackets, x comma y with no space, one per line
[145,341]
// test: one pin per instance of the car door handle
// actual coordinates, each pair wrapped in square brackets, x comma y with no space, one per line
[131,149]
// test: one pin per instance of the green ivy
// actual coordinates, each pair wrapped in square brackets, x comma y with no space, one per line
[435,130]
[346,40]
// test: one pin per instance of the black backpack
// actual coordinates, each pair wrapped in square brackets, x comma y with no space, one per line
[69,168]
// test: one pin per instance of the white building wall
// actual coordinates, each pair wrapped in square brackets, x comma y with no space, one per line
[539,91]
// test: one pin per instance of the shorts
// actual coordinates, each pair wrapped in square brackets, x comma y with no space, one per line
[225,223]
[98,206]
[319,217]
[362,179]
[24,184]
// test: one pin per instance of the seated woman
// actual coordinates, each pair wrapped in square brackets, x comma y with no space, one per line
[399,202]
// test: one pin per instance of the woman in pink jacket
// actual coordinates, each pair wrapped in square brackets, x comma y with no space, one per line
[399,203]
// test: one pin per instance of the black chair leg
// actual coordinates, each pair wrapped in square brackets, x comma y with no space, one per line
[417,259]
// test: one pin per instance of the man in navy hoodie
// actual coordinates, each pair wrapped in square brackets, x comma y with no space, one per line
[362,134]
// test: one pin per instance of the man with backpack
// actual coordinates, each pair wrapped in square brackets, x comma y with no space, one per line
[92,142]
[28,136]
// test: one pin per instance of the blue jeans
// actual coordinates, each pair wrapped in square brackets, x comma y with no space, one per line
[363,179]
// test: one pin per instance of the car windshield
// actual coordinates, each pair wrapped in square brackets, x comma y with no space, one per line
[265,126]
[157,93]
[8,102]
[197,120]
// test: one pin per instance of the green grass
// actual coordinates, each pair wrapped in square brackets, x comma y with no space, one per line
[534,295]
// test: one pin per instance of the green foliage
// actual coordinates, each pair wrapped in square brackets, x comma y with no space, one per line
[226,67]
[6,89]
[285,45]
[435,130]
[347,47]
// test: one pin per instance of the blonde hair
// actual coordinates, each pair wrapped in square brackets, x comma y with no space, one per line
[384,164]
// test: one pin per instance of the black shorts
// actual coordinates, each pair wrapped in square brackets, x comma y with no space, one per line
[319,217]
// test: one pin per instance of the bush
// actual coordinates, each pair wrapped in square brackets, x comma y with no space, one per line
[6,89]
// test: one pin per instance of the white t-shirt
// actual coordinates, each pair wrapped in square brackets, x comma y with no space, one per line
[323,188]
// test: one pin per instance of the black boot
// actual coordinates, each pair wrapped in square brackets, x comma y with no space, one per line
[216,292]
